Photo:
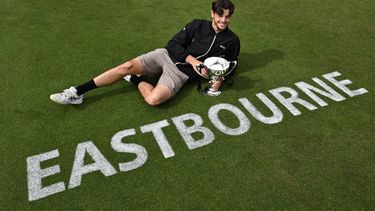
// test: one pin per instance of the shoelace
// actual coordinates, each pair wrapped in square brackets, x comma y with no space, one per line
[68,93]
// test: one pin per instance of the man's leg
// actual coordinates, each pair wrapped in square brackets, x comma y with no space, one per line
[170,82]
[74,95]
[154,95]
[132,67]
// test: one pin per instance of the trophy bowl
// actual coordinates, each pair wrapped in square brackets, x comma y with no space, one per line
[217,68]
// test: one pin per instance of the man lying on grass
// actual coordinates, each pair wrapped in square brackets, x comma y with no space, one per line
[176,64]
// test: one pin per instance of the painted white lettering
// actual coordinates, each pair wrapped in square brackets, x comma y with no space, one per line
[156,129]
[35,175]
[139,150]
[190,126]
[187,131]
[277,115]
[79,169]
[307,88]
[213,114]
[288,102]
[342,84]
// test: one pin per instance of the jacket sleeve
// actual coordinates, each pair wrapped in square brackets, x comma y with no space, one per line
[233,54]
[177,45]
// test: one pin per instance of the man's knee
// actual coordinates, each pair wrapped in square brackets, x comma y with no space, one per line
[128,64]
[133,66]
[158,95]
[153,100]
[125,69]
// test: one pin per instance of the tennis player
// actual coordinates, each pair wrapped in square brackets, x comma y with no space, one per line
[175,64]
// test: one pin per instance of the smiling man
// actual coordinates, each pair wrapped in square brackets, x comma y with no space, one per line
[175,64]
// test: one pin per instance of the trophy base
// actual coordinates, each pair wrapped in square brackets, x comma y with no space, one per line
[210,92]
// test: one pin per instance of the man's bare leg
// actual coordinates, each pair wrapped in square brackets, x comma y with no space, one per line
[115,74]
[74,95]
[154,95]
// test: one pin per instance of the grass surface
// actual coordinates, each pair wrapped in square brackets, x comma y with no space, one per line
[322,159]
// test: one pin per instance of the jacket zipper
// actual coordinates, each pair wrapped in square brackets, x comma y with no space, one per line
[212,43]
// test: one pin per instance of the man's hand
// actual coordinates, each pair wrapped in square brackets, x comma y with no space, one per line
[216,84]
[204,73]
[195,62]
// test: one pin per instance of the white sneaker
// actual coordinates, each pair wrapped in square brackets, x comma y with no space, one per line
[212,92]
[68,96]
[127,78]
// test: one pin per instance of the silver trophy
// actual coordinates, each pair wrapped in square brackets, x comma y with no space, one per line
[217,68]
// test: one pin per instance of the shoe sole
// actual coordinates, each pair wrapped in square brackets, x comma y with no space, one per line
[51,97]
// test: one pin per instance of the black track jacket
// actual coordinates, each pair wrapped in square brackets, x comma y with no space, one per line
[201,41]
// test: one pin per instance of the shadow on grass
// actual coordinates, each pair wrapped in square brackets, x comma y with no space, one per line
[93,98]
[250,62]
[258,60]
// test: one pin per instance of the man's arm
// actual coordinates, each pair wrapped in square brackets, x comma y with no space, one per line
[177,45]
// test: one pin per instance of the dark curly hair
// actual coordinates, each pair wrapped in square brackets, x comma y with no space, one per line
[218,6]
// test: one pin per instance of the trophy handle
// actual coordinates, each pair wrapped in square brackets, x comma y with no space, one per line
[234,65]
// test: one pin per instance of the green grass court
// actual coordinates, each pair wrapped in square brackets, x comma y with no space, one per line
[322,159]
